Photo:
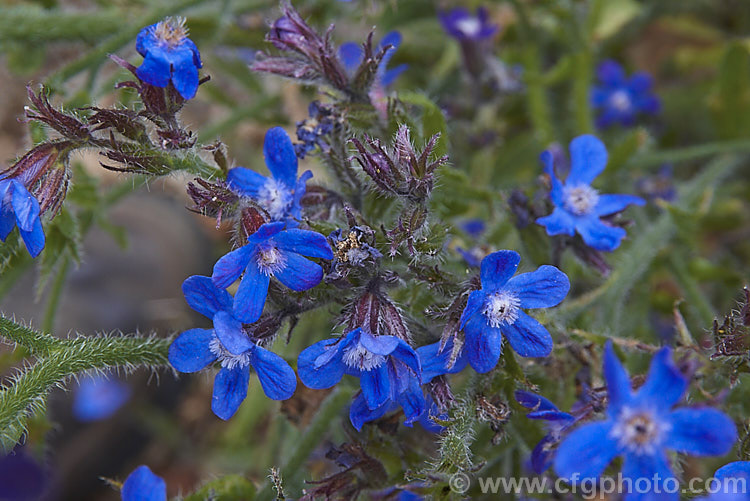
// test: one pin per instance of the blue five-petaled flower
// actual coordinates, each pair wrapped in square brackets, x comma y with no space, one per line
[578,206]
[280,194]
[169,56]
[351,55]
[19,207]
[496,310]
[620,99]
[272,251]
[143,485]
[387,367]
[228,343]
[641,426]
[463,25]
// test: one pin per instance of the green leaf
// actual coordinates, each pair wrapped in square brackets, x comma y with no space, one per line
[228,488]
[731,101]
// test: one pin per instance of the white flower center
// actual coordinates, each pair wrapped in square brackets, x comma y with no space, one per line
[638,431]
[270,260]
[172,31]
[358,357]
[620,100]
[580,199]
[501,308]
[228,359]
[469,26]
[276,199]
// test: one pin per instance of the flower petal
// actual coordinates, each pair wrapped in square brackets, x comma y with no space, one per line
[299,192]
[434,362]
[251,294]
[190,352]
[276,376]
[588,157]
[664,384]
[610,73]
[618,381]
[560,222]
[534,402]
[34,239]
[155,69]
[528,337]
[409,357]
[144,485]
[411,399]
[701,432]
[280,156]
[25,206]
[376,385]
[184,73]
[611,204]
[321,376]
[484,344]
[556,192]
[497,268]
[204,297]
[598,235]
[360,413]
[586,452]
[304,242]
[246,181]
[737,469]
[379,345]
[351,55]
[654,468]
[473,305]
[545,287]
[229,331]
[299,273]
[230,266]
[390,76]
[230,390]
[266,231]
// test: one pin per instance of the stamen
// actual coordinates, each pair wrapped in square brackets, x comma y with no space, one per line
[620,100]
[580,199]
[172,31]
[469,26]
[638,431]
[270,260]
[276,198]
[359,357]
[228,359]
[501,308]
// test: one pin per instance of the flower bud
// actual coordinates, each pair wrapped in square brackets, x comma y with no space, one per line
[44,172]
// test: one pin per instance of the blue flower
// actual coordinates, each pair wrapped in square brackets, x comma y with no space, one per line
[19,207]
[169,55]
[578,206]
[495,310]
[144,485]
[322,120]
[98,397]
[641,426]
[461,24]
[438,359]
[351,55]
[21,477]
[621,99]
[282,193]
[272,251]
[387,367]
[730,483]
[558,421]
[228,343]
